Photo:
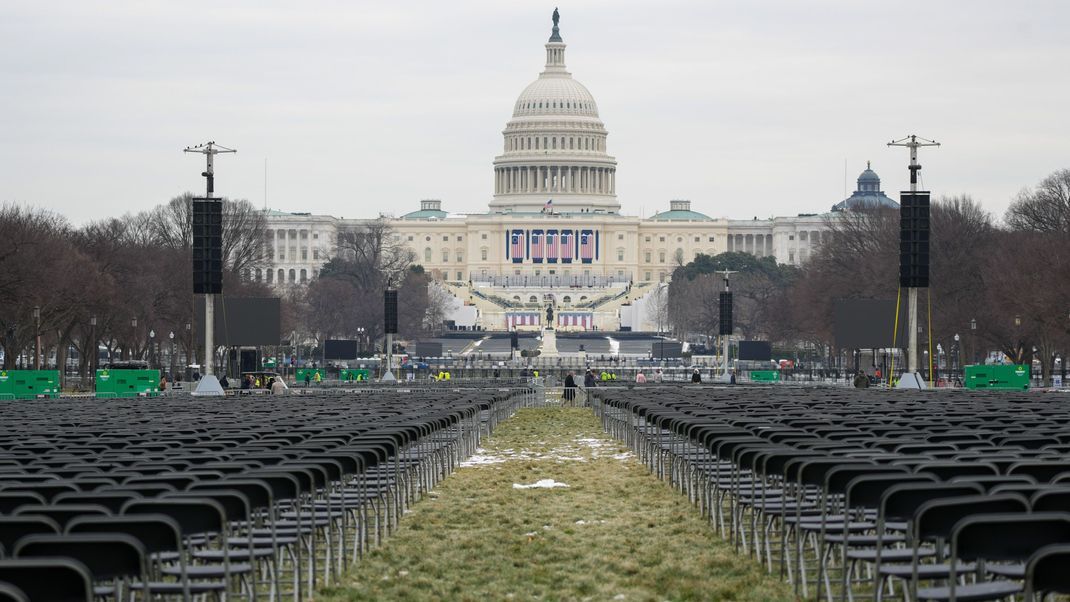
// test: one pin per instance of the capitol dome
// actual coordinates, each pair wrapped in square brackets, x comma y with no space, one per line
[555,96]
[555,146]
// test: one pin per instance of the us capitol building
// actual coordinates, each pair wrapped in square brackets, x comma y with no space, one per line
[554,232]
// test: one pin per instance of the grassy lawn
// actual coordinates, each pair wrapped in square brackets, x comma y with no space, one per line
[615,533]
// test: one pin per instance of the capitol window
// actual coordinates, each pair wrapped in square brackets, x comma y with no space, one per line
[483,254]
[315,253]
[459,238]
[648,239]
[484,235]
[427,255]
[697,239]
[445,255]
[620,254]
[661,256]
[428,239]
[711,239]
[620,237]
[661,239]
[410,238]
[445,238]
[646,257]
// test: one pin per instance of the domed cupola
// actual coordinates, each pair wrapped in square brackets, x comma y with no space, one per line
[555,145]
[868,194]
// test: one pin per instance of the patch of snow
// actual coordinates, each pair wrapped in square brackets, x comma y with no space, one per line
[581,522]
[618,597]
[531,534]
[540,484]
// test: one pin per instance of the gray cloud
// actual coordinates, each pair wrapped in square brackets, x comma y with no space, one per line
[747,108]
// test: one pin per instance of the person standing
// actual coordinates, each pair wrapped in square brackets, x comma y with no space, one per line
[308,379]
[696,377]
[589,379]
[640,378]
[278,387]
[861,380]
[659,376]
[570,387]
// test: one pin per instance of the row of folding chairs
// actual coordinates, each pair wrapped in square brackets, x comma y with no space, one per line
[249,498]
[855,494]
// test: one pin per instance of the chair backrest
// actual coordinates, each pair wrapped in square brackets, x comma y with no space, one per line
[900,502]
[1046,573]
[11,593]
[937,518]
[235,504]
[62,513]
[52,579]
[107,555]
[1008,537]
[156,532]
[1051,500]
[194,516]
[112,500]
[14,528]
[10,501]
[1042,471]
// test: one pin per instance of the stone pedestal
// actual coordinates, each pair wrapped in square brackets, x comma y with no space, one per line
[549,343]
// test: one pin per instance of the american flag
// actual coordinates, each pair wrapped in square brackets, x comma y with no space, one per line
[566,245]
[516,245]
[551,246]
[587,245]
[537,244]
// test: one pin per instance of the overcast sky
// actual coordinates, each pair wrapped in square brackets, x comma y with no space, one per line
[360,107]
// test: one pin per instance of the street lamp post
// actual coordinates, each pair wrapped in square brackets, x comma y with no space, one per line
[189,344]
[133,337]
[1019,349]
[171,355]
[958,355]
[36,337]
[973,334]
[152,343]
[360,340]
[91,348]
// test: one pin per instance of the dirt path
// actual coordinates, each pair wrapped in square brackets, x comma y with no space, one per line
[552,509]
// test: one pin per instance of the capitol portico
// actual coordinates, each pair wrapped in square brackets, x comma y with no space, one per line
[554,230]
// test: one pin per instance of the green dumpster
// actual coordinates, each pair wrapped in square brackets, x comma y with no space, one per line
[1014,376]
[127,383]
[311,373]
[765,376]
[29,384]
[353,375]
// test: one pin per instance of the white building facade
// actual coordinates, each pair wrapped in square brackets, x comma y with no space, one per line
[553,231]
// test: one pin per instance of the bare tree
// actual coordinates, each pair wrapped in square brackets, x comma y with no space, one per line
[1044,209]
[372,256]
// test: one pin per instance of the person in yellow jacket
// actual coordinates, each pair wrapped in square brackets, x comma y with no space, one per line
[447,376]
[319,378]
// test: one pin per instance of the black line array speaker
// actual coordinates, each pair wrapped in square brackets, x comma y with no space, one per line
[914,239]
[725,316]
[207,224]
[390,313]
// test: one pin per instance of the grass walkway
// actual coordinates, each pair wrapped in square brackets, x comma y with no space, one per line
[615,533]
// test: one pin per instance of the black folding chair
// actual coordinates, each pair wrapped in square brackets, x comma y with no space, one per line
[14,528]
[113,559]
[11,593]
[50,579]
[1045,572]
